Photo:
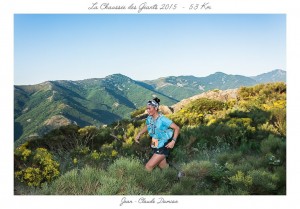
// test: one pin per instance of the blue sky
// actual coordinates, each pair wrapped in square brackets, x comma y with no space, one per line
[144,47]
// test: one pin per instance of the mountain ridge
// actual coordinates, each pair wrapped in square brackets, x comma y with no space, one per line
[99,101]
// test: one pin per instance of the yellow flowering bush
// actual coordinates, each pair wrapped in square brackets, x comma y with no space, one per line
[211,119]
[87,130]
[107,150]
[86,134]
[129,141]
[114,153]
[32,176]
[130,130]
[38,166]
[241,180]
[95,155]
[83,150]
[280,104]
[23,152]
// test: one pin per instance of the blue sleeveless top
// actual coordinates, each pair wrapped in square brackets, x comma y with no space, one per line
[159,129]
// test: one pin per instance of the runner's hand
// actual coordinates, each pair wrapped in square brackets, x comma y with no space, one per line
[170,145]
[137,138]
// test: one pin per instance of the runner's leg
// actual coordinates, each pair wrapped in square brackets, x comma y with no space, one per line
[154,161]
[163,164]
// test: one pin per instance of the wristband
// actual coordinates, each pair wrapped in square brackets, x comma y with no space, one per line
[174,139]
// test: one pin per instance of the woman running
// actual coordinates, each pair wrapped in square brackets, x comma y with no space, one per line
[163,133]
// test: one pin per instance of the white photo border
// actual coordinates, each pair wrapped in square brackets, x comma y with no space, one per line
[10,7]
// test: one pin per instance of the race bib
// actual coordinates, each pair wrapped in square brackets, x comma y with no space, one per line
[154,143]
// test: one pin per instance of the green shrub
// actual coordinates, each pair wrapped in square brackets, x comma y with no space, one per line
[264,182]
[75,182]
[130,172]
[137,112]
[196,169]
[204,105]
[64,139]
[158,181]
[279,119]
[133,189]
[136,180]
[186,186]
[226,189]
[126,176]
[272,144]
[204,171]
[274,150]
[256,114]
[125,167]
[109,185]
[256,161]
[281,173]
[235,156]
[223,158]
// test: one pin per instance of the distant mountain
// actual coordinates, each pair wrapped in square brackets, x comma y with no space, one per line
[98,101]
[182,87]
[273,76]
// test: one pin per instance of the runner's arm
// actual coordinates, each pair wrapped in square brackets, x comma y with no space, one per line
[142,131]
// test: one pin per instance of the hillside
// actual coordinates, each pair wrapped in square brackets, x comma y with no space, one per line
[231,143]
[220,95]
[86,102]
[100,101]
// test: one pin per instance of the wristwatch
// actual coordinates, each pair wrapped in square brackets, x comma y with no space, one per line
[174,139]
